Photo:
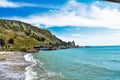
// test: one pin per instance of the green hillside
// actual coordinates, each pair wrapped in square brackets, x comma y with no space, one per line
[20,35]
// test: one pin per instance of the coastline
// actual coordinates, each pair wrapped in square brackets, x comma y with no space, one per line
[18,65]
[13,65]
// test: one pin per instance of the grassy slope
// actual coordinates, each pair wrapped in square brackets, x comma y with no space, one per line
[26,35]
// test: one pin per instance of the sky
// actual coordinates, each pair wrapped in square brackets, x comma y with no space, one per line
[87,22]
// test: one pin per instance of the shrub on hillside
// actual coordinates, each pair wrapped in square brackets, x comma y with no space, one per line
[11,41]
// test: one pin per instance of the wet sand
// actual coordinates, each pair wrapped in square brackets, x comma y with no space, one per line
[12,66]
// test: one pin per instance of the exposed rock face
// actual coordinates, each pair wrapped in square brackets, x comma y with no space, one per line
[71,44]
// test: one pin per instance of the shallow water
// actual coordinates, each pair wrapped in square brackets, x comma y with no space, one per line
[93,63]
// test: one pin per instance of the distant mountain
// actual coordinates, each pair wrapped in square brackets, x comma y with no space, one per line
[17,35]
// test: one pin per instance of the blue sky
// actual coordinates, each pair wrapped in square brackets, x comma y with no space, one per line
[87,22]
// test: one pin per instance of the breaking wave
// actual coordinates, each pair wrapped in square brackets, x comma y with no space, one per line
[36,70]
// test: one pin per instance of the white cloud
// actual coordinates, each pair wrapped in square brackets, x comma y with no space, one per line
[117,34]
[97,14]
[90,40]
[78,14]
[75,35]
[6,4]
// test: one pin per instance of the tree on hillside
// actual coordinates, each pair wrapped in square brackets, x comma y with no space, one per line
[11,41]
[2,42]
[28,33]
[42,39]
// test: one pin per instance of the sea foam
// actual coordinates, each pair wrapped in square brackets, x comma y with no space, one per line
[12,68]
[30,74]
[36,70]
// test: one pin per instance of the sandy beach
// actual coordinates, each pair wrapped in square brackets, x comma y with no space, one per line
[12,66]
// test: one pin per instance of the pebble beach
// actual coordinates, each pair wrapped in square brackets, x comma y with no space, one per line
[13,66]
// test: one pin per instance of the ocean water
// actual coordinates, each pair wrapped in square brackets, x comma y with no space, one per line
[90,63]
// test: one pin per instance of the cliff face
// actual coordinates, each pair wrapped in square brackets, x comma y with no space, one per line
[17,34]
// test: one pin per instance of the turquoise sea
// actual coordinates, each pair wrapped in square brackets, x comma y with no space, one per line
[90,63]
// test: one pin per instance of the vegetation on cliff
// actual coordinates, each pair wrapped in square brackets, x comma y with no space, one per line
[17,35]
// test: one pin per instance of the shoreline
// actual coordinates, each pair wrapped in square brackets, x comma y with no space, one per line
[13,65]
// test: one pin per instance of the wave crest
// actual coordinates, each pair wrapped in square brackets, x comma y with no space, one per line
[36,70]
